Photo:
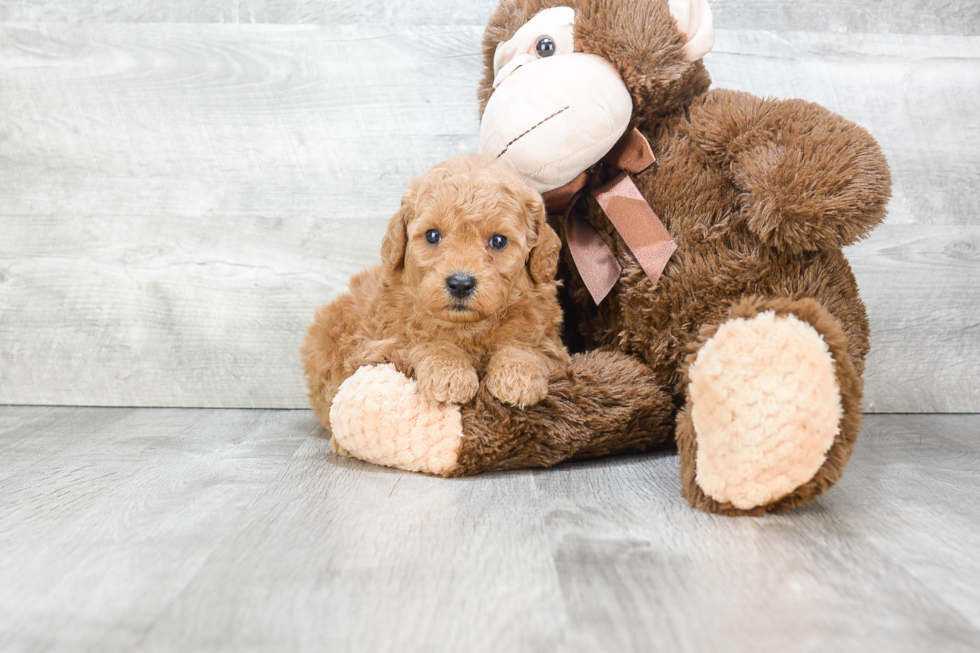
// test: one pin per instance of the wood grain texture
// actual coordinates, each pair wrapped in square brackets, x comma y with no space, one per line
[641,572]
[106,514]
[330,12]
[386,562]
[895,16]
[163,530]
[184,197]
[899,17]
[179,198]
[921,285]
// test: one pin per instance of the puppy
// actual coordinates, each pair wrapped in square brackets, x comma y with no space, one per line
[465,291]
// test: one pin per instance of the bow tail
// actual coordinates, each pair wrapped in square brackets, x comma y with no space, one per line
[596,263]
[643,232]
[634,219]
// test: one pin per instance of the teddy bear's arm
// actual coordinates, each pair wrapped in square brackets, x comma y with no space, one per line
[809,179]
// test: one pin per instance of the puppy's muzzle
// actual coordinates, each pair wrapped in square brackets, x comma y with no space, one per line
[460,286]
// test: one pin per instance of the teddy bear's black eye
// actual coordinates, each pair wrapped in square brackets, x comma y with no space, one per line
[545,47]
[432,236]
[498,242]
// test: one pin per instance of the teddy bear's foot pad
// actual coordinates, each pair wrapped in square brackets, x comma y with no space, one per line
[379,416]
[766,408]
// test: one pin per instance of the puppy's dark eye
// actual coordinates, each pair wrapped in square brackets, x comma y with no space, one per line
[498,242]
[432,236]
[545,47]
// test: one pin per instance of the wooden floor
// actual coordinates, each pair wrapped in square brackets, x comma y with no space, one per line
[236,530]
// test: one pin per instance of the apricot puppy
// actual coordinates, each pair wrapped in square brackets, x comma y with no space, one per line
[466,291]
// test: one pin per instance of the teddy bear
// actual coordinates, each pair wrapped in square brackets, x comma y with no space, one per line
[708,304]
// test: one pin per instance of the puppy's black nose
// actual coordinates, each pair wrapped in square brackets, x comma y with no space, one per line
[460,286]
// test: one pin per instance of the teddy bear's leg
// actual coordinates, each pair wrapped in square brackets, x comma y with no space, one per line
[604,403]
[773,408]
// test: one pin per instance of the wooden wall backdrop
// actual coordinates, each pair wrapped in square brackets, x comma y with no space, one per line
[183,182]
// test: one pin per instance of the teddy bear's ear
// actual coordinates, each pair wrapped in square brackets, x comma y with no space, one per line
[694,20]
[543,259]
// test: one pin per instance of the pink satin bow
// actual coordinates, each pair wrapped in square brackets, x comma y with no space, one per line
[631,215]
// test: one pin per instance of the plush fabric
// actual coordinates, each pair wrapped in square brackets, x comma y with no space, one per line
[760,196]
[359,423]
[560,105]
[848,383]
[765,408]
[576,99]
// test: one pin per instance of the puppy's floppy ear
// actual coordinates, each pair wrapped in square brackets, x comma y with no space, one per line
[543,259]
[396,238]
[393,244]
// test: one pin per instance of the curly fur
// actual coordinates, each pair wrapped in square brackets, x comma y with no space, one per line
[400,312]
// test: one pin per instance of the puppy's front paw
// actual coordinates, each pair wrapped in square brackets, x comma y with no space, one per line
[450,385]
[517,384]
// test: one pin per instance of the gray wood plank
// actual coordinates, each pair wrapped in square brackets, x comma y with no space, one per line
[209,188]
[902,16]
[179,198]
[640,571]
[402,12]
[161,530]
[15,420]
[921,286]
[637,569]
[36,435]
[344,555]
[895,16]
[118,510]
[919,474]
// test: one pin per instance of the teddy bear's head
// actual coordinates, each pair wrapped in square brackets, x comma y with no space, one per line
[565,79]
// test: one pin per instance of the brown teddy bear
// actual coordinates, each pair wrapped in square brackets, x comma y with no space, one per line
[706,296]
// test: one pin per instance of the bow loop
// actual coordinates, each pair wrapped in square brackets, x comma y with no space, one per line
[632,153]
[627,210]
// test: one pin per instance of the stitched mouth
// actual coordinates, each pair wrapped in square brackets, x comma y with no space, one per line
[520,136]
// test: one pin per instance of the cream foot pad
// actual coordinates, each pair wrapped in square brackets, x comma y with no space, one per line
[379,416]
[766,408]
